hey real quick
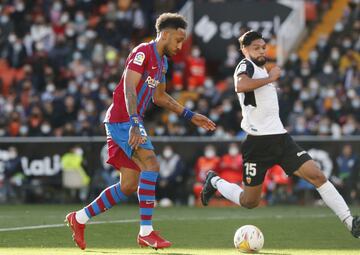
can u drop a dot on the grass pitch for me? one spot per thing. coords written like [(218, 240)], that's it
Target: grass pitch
[(288, 230)]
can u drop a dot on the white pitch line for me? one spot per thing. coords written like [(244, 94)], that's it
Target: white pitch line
[(164, 219)]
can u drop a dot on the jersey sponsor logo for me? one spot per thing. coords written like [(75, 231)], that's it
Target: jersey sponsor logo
[(139, 58), (300, 153), (152, 83), (242, 68)]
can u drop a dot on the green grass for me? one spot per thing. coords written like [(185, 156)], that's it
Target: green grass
[(287, 230)]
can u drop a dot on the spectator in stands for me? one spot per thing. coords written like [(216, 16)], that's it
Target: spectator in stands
[(231, 165), (208, 161), (347, 173), (75, 178), (171, 177)]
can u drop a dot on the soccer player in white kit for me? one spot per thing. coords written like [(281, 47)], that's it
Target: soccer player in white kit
[(267, 142)]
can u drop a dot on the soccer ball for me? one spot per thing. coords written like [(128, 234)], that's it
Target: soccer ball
[(248, 238)]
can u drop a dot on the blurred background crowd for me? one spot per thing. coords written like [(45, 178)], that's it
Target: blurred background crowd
[(60, 61)]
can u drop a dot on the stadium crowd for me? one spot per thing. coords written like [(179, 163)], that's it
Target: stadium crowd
[(60, 61)]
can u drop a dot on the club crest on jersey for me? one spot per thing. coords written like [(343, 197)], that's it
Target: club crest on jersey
[(248, 180), (152, 83), (242, 68), (139, 58)]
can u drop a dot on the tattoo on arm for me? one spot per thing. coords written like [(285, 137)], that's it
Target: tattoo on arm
[(171, 104), (130, 99)]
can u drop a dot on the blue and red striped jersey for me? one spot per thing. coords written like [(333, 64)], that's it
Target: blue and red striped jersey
[(145, 60)]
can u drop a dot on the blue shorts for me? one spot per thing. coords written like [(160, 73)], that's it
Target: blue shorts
[(119, 133)]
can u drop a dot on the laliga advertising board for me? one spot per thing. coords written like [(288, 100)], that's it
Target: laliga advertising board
[(213, 31)]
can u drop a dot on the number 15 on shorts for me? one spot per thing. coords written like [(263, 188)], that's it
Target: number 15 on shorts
[(250, 169)]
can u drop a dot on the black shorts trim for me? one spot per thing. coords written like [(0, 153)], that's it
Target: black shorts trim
[(263, 152)]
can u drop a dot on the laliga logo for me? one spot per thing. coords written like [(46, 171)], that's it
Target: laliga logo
[(41, 167), (152, 83)]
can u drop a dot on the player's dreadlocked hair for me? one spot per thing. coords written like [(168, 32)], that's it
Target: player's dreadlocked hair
[(170, 20), (247, 38)]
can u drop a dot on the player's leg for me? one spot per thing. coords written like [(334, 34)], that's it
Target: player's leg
[(332, 198), (298, 162), (108, 198), (147, 161), (248, 197)]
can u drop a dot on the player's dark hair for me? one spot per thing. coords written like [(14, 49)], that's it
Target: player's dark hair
[(247, 38), (170, 20)]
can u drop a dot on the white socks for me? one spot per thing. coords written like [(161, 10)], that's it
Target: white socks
[(81, 216), (335, 201), (145, 230), (229, 190)]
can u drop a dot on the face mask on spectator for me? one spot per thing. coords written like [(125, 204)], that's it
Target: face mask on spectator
[(79, 17), (335, 54), (209, 153), (94, 86), (2, 132), (314, 84), (227, 107), (305, 71), (103, 96), (201, 131), (195, 53), (50, 88), (70, 32), (304, 95), (214, 116), (72, 88), (208, 84), (296, 85), (23, 130), (12, 38), (159, 130), (293, 57), (89, 108), (4, 19), (346, 43), (189, 104), (167, 153), (45, 128), (57, 6), (298, 108), (355, 103), (19, 6), (331, 93), (12, 154), (323, 129), (173, 118), (327, 69), (233, 150), (78, 151)]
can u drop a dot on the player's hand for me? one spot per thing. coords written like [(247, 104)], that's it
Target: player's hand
[(275, 73), (135, 138), (201, 121)]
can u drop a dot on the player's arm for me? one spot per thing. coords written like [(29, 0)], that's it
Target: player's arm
[(132, 78), (163, 99), (245, 84)]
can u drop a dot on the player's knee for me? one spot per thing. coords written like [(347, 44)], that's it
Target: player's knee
[(129, 187), (249, 204), (152, 164), (319, 178)]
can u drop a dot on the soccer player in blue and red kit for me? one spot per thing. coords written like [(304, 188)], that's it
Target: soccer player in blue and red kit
[(129, 148)]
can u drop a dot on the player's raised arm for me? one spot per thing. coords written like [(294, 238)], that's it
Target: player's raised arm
[(132, 78), (245, 84), (163, 99)]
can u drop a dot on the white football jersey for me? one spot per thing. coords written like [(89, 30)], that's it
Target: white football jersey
[(260, 108)]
